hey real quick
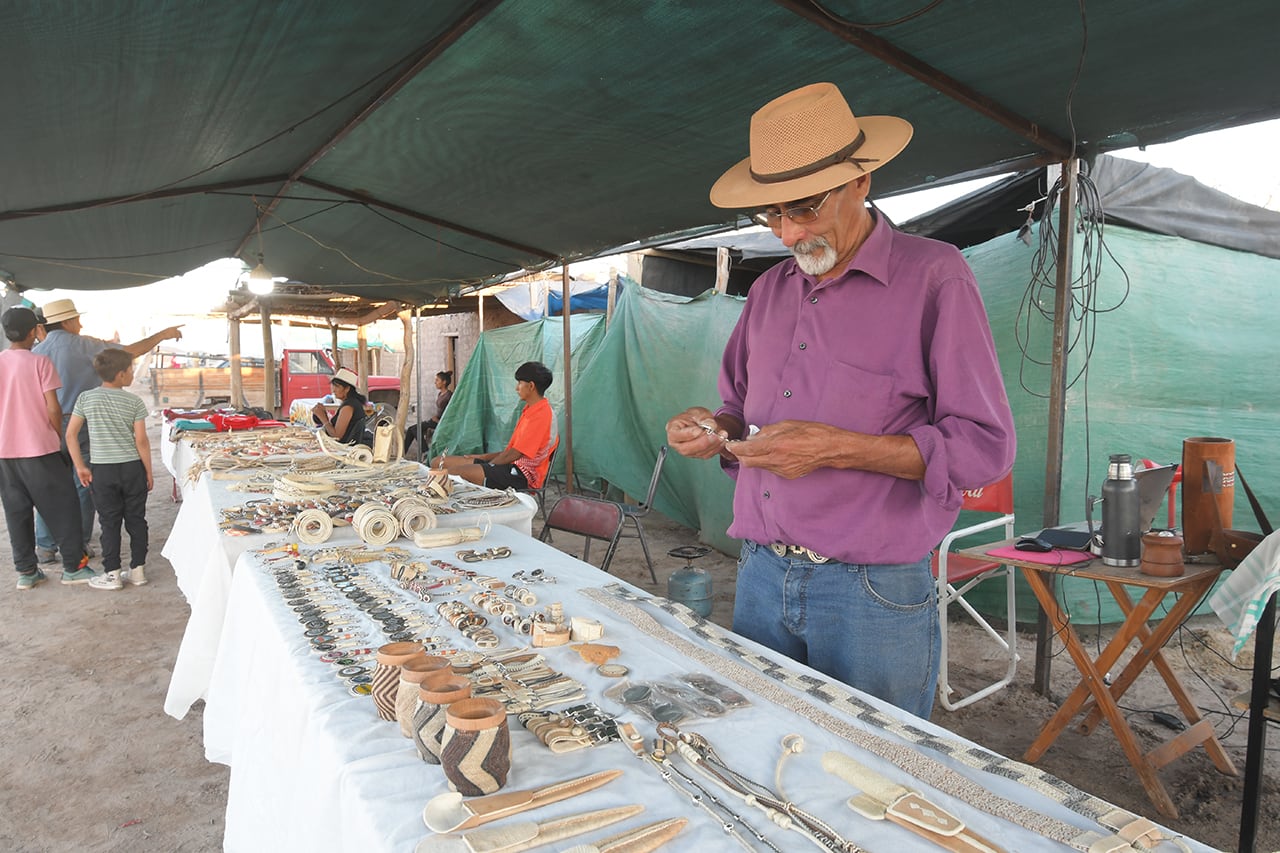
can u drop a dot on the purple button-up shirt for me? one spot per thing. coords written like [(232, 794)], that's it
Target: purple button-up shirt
[(898, 344)]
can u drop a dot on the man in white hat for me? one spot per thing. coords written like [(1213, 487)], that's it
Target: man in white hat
[(861, 395), (72, 354)]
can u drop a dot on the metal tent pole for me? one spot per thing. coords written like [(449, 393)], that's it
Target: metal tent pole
[(568, 382), (1057, 398)]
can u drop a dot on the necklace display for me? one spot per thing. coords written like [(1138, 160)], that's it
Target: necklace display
[(347, 610)]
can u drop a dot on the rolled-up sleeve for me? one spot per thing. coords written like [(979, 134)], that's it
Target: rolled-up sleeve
[(969, 441)]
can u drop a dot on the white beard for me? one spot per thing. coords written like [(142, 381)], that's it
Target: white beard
[(815, 257)]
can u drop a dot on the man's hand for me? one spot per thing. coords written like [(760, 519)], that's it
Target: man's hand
[(789, 449), (695, 433), (85, 475), (173, 333)]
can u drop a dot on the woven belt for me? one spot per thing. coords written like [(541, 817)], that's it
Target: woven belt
[(812, 556)]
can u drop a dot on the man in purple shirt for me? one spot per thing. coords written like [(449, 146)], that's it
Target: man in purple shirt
[(861, 395)]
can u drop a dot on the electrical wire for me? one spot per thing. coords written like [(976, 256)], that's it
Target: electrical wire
[(875, 25)]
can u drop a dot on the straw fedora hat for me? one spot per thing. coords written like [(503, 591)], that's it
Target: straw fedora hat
[(346, 375), (807, 142), (59, 310)]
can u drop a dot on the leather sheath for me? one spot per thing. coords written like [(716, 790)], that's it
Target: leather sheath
[(884, 799), (450, 813)]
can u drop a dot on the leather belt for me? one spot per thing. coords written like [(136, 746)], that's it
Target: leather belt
[(782, 550)]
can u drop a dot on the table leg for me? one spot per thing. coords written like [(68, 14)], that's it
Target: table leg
[(1151, 651), (1092, 683), (1078, 698)]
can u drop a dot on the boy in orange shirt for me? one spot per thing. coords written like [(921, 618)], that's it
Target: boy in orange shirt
[(523, 463)]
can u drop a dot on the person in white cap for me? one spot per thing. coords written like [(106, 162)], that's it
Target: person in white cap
[(348, 420), (72, 354), (861, 395)]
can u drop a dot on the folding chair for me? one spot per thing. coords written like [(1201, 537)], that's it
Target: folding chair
[(956, 575), (540, 493), (635, 512), (590, 518)]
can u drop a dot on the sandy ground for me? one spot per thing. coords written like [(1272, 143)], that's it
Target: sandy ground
[(93, 763)]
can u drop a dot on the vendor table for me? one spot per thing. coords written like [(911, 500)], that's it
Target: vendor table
[(1093, 697), (203, 559), (313, 768)]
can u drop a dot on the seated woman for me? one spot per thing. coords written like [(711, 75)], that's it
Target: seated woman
[(348, 421), (524, 462), (443, 395)]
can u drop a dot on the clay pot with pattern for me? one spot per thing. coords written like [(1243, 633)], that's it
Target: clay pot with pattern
[(386, 675), (434, 698), (414, 673), (475, 749), (438, 483)]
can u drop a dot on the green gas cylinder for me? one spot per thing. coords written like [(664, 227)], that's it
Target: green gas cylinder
[(690, 585)]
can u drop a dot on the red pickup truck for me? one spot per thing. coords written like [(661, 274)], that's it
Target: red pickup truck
[(195, 380)]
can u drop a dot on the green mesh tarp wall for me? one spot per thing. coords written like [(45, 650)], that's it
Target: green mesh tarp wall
[(1189, 352), (660, 356), (484, 408)]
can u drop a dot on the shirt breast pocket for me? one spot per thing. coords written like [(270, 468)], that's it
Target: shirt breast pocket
[(856, 399)]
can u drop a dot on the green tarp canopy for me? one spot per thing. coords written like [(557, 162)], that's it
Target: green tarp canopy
[(400, 150), (1175, 360)]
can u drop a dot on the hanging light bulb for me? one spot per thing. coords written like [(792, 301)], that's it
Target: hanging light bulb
[(259, 280)]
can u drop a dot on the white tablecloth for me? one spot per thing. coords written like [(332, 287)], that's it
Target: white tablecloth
[(203, 559), (313, 768)]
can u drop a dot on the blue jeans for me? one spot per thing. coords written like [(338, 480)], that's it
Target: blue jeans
[(872, 627)]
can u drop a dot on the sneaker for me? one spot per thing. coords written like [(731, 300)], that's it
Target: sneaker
[(136, 576), (81, 575), (46, 555), (26, 582), (107, 580)]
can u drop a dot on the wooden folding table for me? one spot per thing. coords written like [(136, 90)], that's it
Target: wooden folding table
[(1092, 697)]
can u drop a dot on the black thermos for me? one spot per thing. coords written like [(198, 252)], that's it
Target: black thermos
[(1121, 533)]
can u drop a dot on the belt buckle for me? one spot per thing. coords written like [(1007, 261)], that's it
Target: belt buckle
[(782, 550)]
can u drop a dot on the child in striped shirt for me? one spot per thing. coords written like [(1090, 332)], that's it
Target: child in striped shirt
[(119, 468)]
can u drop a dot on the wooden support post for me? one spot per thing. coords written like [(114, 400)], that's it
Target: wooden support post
[(568, 383), (362, 359), (406, 371), (613, 296), (269, 388), (237, 380), (1057, 399), (337, 354), (480, 310)]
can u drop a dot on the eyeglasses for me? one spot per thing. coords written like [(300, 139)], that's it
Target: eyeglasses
[(800, 215)]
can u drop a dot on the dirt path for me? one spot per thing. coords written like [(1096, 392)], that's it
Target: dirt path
[(93, 763)]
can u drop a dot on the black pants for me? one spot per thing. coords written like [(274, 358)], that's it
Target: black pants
[(41, 483), (423, 432), (120, 494)]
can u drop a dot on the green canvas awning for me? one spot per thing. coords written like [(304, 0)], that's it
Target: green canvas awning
[(405, 149)]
